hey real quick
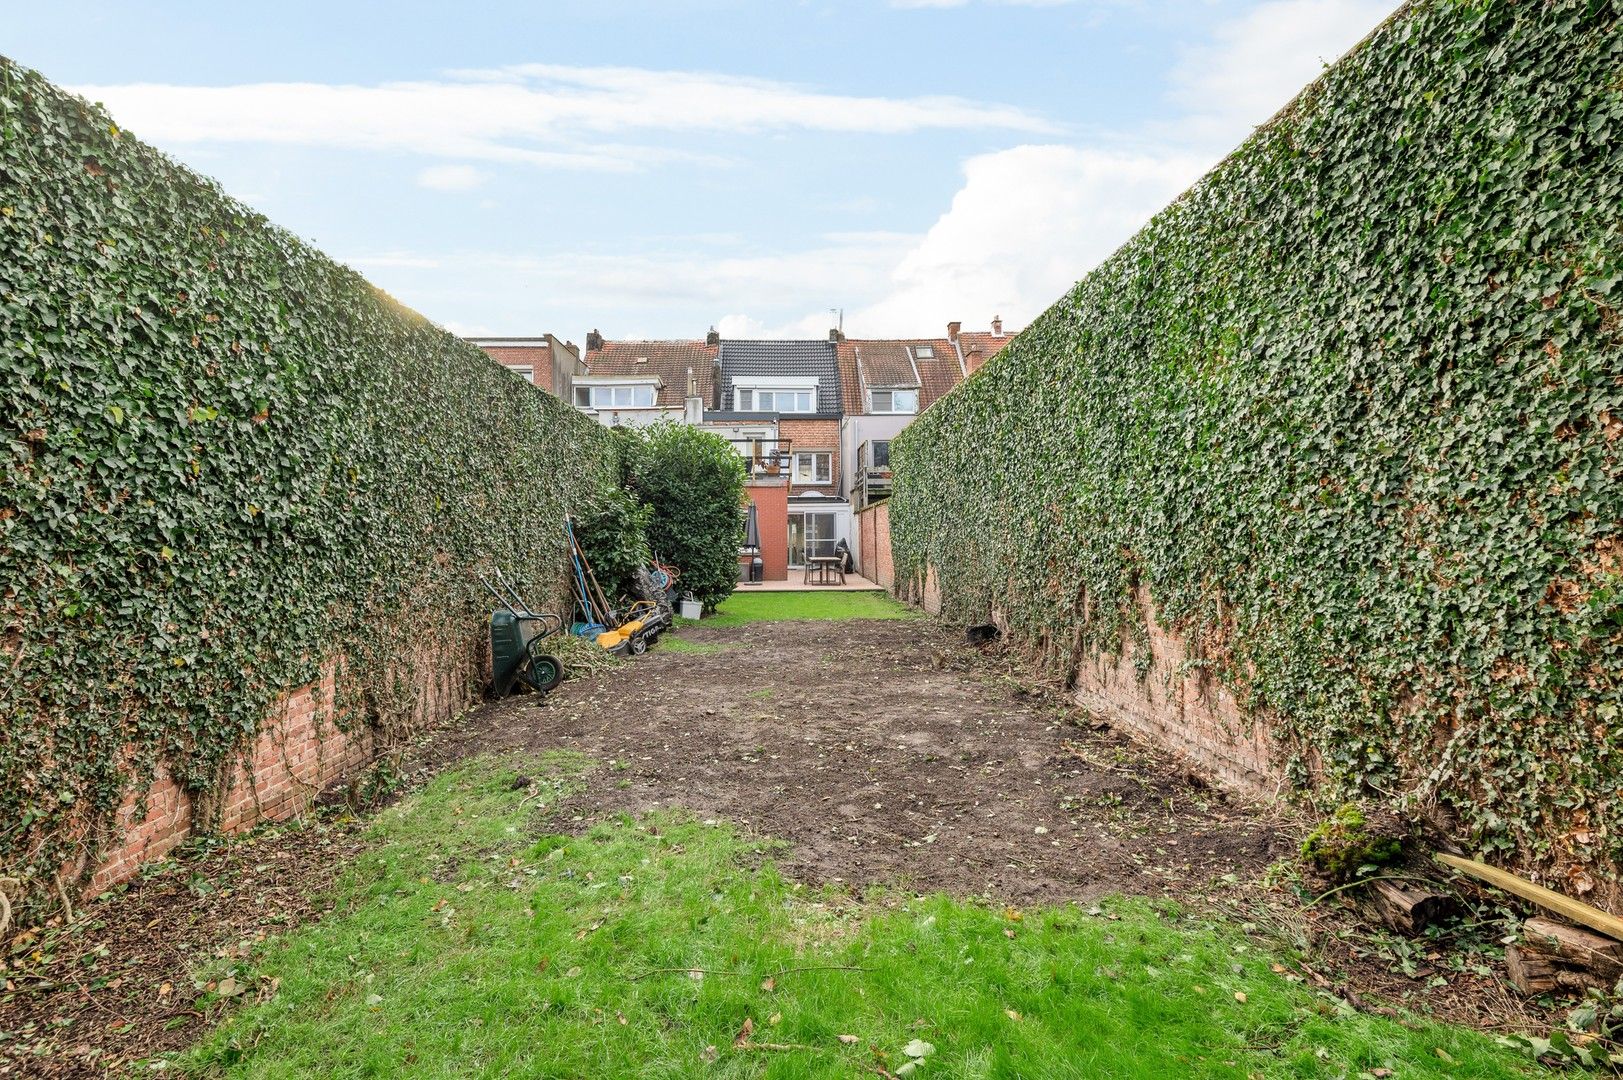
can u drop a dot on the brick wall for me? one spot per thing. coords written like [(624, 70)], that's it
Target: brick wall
[(537, 358), (772, 518), (814, 436), (1189, 714), (299, 752), (1184, 710), (873, 546)]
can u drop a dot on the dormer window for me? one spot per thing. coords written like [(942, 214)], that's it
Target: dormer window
[(785, 396), (894, 401), (780, 401), (616, 397)]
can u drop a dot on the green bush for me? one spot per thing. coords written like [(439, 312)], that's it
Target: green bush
[(1348, 413), (226, 460), (694, 481), (613, 532)]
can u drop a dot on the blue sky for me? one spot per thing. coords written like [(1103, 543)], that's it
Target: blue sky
[(655, 168)]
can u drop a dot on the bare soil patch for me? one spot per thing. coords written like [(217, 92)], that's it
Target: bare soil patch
[(887, 753)]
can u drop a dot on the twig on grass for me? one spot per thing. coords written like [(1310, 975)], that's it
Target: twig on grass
[(67, 905), (683, 971), (816, 967)]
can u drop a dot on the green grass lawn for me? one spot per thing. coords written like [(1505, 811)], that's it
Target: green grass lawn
[(748, 607), (472, 942)]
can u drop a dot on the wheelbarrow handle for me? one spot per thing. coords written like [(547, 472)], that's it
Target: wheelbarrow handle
[(543, 618), (499, 599)]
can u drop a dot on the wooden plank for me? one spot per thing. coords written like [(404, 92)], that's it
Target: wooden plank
[(1575, 910)]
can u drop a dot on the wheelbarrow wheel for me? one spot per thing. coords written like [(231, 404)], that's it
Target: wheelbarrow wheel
[(639, 644), (545, 672)]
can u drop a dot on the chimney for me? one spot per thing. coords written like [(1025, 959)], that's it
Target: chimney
[(997, 325), (952, 330), (594, 341), (836, 335), (713, 337), (974, 358)]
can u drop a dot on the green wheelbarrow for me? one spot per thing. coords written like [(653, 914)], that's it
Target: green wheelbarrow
[(518, 643)]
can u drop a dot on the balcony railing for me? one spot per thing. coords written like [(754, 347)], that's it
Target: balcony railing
[(766, 457)]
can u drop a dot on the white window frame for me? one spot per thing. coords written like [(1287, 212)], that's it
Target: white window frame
[(890, 397), (771, 399), (607, 395), (747, 395), (924, 352), (810, 475)]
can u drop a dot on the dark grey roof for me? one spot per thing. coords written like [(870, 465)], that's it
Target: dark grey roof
[(792, 359)]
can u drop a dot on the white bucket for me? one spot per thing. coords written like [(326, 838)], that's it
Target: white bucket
[(690, 609)]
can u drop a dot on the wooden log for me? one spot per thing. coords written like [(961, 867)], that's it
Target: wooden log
[(1549, 899), (1529, 973), (1532, 974), (1408, 911), (1574, 947)]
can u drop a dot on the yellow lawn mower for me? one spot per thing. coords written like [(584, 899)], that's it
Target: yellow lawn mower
[(615, 632)]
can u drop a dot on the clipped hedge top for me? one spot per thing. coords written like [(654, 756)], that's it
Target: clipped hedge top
[(227, 459), (1350, 411)]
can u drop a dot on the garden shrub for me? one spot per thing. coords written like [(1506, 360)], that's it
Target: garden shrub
[(694, 481), (613, 532), (1349, 414), (227, 460)]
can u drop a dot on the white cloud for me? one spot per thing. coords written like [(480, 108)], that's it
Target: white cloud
[(1258, 62), (450, 177), (1027, 223), (542, 114), (1030, 221)]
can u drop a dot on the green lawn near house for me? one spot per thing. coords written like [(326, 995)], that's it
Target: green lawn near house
[(750, 607), (474, 939)]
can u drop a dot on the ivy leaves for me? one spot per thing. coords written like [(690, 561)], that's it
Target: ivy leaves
[(226, 461), (1346, 412)]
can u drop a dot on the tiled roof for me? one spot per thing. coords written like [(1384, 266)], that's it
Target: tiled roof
[(668, 360), (896, 362), (989, 344), (937, 375), (886, 363), (789, 359), (850, 382)]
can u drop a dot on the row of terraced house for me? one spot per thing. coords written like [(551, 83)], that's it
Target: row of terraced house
[(813, 419)]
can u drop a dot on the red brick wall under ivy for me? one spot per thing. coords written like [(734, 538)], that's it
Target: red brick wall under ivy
[(1188, 714), (299, 752), (1182, 710)]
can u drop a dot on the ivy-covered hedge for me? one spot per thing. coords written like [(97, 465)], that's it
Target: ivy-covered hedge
[(1351, 412), (227, 460)]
